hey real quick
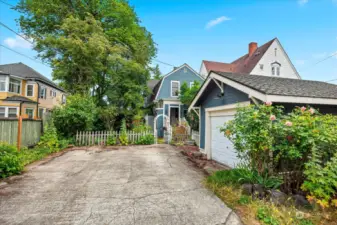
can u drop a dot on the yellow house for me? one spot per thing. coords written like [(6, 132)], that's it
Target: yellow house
[(24, 91)]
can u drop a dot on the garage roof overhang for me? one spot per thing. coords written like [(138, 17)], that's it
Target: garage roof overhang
[(252, 93)]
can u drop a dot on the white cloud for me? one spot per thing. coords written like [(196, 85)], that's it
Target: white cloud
[(217, 21), (302, 2), (300, 62), (18, 42)]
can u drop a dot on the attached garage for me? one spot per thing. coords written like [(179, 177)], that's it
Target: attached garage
[(222, 149), (218, 147), (222, 93)]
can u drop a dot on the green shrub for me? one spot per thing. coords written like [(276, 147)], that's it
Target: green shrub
[(49, 138), (264, 214), (111, 140), (146, 140), (10, 163), (123, 138), (77, 115)]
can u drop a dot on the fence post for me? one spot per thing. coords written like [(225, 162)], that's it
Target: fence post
[(19, 132)]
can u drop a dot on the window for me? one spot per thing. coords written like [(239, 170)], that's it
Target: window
[(275, 51), (30, 90), (43, 92), (191, 84), (2, 83), (64, 99), (185, 70), (30, 112), (261, 66), (2, 112), (12, 112), (14, 86), (41, 112), (52, 93), (175, 85), (276, 68)]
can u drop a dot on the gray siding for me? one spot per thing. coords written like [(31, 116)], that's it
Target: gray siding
[(211, 98), (179, 75)]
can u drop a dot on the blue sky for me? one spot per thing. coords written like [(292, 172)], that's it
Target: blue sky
[(188, 31)]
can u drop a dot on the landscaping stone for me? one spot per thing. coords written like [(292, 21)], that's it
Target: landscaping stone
[(300, 201), (210, 169), (247, 189), (197, 154), (258, 191), (278, 197)]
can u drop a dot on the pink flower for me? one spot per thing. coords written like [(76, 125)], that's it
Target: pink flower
[(288, 123), (272, 117), (311, 110), (303, 108), (268, 103)]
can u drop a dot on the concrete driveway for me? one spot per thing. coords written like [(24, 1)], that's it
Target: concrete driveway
[(134, 185)]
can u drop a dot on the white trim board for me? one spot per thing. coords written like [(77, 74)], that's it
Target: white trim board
[(173, 71)]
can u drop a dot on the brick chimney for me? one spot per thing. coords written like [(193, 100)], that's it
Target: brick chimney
[(251, 48)]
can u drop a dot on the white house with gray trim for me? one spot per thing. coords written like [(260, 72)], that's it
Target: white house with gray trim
[(222, 92)]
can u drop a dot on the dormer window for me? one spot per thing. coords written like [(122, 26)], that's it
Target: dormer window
[(261, 66), (276, 69), (275, 52), (185, 70)]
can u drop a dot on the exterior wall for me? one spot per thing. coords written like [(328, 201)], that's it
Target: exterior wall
[(211, 99), (184, 74), (46, 104), (287, 69), (203, 70)]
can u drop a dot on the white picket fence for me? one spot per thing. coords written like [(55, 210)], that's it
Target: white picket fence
[(90, 138), (196, 137)]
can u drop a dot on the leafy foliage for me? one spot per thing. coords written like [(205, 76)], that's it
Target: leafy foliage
[(49, 139), (304, 140), (146, 140), (156, 74), (123, 138), (77, 115), (108, 116), (111, 141), (10, 163), (264, 214), (92, 46)]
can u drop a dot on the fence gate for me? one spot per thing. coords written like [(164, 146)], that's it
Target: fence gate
[(166, 126)]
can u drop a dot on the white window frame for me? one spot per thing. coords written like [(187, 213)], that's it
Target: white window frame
[(29, 84), (39, 115), (6, 78), (9, 85), (191, 84), (44, 93), (175, 81), (64, 99), (29, 109), (10, 107)]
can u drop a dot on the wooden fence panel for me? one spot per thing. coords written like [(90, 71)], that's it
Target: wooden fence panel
[(90, 138), (30, 133)]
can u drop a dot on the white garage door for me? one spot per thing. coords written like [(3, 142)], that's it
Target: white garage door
[(222, 149)]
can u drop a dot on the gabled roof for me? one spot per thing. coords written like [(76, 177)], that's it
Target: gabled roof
[(152, 83), (274, 89), (158, 85), (244, 64), (284, 86), (26, 72)]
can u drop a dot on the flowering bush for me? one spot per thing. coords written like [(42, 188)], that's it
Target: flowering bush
[(267, 139)]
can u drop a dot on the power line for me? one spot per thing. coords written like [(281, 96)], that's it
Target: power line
[(163, 63), (6, 3), (19, 53), (4, 25)]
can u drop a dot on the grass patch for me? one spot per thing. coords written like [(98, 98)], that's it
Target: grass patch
[(262, 211)]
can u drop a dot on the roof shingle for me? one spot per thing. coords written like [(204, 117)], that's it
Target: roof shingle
[(284, 86)]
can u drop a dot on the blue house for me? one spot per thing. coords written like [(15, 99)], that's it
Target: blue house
[(167, 108)]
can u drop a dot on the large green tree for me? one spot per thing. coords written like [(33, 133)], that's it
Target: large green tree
[(93, 46)]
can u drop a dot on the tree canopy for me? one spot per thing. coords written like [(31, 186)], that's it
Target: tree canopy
[(93, 46)]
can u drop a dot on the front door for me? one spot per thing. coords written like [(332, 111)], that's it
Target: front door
[(174, 116)]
